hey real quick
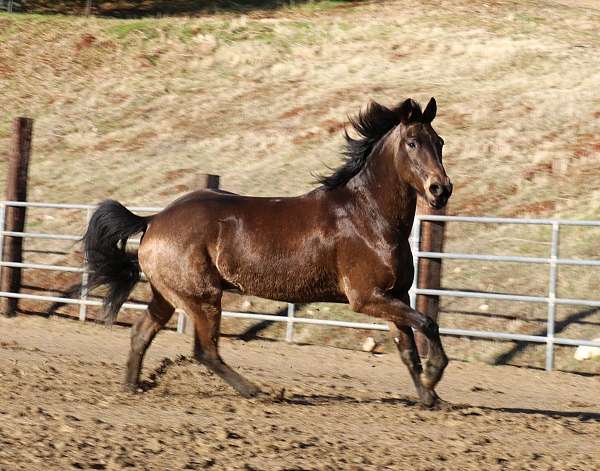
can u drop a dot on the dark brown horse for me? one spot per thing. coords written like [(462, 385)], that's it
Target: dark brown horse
[(346, 241)]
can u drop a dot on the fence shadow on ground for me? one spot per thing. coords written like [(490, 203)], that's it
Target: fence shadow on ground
[(559, 326), (252, 332), (510, 317)]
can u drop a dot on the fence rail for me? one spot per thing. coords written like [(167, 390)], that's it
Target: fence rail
[(10, 5), (553, 261)]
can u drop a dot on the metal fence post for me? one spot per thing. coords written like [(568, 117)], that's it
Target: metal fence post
[(84, 277), (181, 322), (289, 333), (415, 243), (552, 297), (2, 216)]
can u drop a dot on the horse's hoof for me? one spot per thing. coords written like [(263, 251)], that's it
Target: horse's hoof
[(132, 388), (429, 399), (250, 392), (442, 405), (433, 402)]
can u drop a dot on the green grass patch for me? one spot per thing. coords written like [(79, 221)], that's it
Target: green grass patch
[(146, 28), (323, 5)]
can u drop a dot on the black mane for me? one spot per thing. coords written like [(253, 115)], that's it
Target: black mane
[(371, 125)]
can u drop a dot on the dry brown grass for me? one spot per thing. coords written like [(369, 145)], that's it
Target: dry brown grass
[(134, 109)]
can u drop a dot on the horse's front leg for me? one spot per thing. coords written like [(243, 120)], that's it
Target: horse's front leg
[(378, 303), (404, 339)]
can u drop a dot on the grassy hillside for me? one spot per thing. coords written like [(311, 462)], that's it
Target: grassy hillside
[(261, 100), (134, 109)]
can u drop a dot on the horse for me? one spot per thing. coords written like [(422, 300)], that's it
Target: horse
[(349, 244)]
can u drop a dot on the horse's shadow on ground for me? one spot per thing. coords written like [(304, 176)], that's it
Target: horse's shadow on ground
[(321, 400), (464, 409)]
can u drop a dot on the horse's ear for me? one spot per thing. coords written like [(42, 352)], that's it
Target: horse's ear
[(409, 111), (430, 111)]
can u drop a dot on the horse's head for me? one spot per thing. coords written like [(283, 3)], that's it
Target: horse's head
[(418, 153)]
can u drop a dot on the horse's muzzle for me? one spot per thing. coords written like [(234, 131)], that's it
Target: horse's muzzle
[(438, 194)]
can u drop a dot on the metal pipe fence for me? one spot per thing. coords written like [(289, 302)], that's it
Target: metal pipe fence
[(9, 6), (553, 261)]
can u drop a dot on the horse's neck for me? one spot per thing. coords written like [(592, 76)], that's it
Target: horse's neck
[(380, 186)]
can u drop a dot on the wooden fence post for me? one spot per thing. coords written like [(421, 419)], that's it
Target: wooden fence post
[(16, 190), (430, 269), (208, 182)]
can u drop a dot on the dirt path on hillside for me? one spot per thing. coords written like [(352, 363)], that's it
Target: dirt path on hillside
[(61, 408)]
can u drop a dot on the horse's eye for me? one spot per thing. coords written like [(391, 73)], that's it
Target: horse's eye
[(412, 144)]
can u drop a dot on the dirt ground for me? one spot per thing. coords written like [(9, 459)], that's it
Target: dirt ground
[(61, 407)]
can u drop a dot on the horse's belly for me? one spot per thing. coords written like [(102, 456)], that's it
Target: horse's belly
[(285, 279)]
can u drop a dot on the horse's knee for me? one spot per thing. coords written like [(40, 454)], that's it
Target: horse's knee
[(430, 328)]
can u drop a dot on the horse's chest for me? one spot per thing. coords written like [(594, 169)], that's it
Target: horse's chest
[(404, 275), (399, 262)]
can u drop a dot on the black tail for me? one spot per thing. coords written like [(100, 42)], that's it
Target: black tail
[(107, 258)]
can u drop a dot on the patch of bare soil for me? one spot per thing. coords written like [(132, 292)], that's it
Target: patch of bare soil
[(61, 407)]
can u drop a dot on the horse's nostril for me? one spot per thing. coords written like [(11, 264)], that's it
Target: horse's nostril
[(436, 189)]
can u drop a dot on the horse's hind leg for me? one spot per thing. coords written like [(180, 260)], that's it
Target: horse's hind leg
[(142, 333), (206, 313)]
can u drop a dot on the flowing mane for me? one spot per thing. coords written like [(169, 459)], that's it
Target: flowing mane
[(371, 125)]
